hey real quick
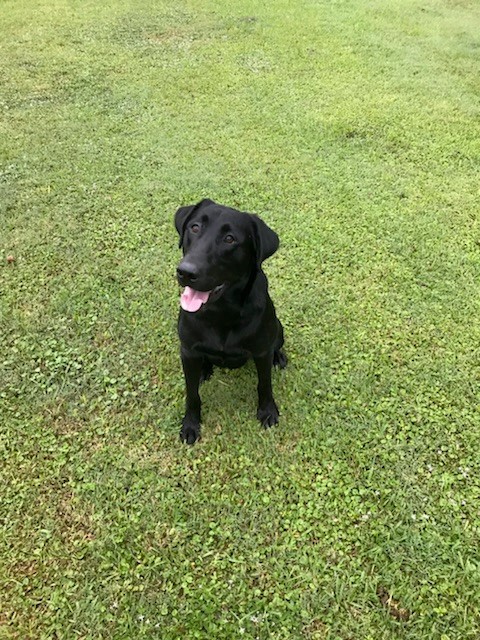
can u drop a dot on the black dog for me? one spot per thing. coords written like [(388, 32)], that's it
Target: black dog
[(226, 314)]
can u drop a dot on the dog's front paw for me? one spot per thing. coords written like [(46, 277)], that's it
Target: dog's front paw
[(190, 431), (268, 415)]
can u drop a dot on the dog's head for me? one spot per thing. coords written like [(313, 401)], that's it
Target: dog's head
[(221, 246)]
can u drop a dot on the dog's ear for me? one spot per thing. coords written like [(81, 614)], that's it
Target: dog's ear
[(265, 240), (184, 214)]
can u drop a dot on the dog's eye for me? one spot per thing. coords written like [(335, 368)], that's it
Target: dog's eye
[(195, 228), (229, 239)]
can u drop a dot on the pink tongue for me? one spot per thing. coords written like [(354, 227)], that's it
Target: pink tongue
[(192, 300)]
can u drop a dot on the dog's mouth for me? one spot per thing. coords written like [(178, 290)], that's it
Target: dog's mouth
[(191, 300)]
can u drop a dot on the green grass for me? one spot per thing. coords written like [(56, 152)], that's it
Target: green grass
[(353, 129)]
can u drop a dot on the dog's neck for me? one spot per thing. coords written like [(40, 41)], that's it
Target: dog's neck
[(249, 284)]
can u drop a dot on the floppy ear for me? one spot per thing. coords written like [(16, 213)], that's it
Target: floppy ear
[(265, 240), (184, 214)]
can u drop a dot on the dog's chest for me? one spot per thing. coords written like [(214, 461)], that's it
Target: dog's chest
[(223, 347)]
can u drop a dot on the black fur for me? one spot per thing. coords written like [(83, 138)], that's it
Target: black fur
[(223, 252)]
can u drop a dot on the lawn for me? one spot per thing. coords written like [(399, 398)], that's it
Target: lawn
[(352, 127)]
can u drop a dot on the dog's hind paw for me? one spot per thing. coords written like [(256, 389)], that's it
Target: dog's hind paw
[(279, 359), (207, 371)]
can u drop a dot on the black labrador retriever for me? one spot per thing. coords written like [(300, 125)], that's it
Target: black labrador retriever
[(226, 315)]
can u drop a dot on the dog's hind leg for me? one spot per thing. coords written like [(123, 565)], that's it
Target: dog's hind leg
[(207, 370), (279, 357)]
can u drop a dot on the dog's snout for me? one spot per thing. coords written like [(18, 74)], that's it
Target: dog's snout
[(187, 273)]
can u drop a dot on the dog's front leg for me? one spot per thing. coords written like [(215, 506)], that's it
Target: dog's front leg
[(267, 409), (192, 368)]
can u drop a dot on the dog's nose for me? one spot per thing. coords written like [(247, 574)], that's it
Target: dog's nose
[(187, 272)]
